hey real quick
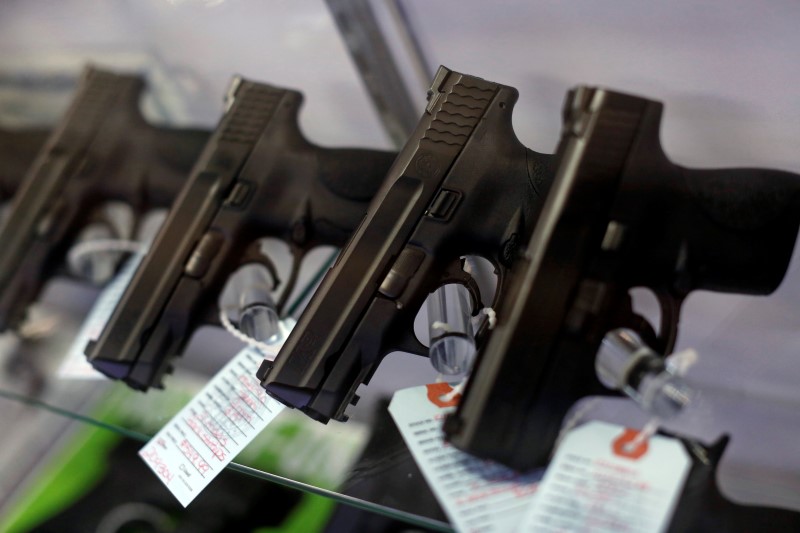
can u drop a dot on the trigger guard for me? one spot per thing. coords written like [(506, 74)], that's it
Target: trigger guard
[(455, 274), (626, 317), (670, 304), (410, 343)]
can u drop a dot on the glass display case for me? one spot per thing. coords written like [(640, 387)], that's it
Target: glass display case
[(726, 75)]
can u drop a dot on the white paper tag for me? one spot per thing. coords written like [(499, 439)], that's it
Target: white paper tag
[(595, 483), (75, 365), (206, 435), (477, 495)]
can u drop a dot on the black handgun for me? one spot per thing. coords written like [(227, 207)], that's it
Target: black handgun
[(18, 149), (463, 186), (257, 177), (102, 151), (619, 215)]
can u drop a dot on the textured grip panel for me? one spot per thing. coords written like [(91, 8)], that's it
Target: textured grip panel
[(253, 107), (462, 106), (743, 199)]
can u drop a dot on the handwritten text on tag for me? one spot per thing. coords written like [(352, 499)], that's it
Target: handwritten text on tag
[(205, 436)]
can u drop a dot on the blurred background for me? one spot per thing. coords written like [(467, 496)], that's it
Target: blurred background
[(725, 70)]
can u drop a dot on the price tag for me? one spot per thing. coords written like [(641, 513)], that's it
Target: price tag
[(599, 482), (206, 435), (75, 365), (477, 495)]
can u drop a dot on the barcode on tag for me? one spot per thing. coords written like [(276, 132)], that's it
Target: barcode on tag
[(206, 435), (477, 495), (594, 483), (75, 365)]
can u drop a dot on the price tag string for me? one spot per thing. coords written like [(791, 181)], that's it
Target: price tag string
[(77, 252), (239, 334)]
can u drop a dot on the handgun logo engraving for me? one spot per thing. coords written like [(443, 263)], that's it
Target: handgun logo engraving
[(305, 348), (426, 165)]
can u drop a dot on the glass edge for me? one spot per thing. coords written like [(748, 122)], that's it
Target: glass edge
[(404, 516)]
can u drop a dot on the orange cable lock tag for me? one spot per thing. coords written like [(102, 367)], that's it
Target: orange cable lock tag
[(625, 445), (438, 392)]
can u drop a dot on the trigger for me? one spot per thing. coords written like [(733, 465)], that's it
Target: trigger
[(255, 255), (475, 292)]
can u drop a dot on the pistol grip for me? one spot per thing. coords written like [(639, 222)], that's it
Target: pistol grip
[(746, 228)]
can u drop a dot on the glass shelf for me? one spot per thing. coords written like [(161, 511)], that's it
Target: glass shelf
[(294, 451), (109, 412), (365, 464)]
